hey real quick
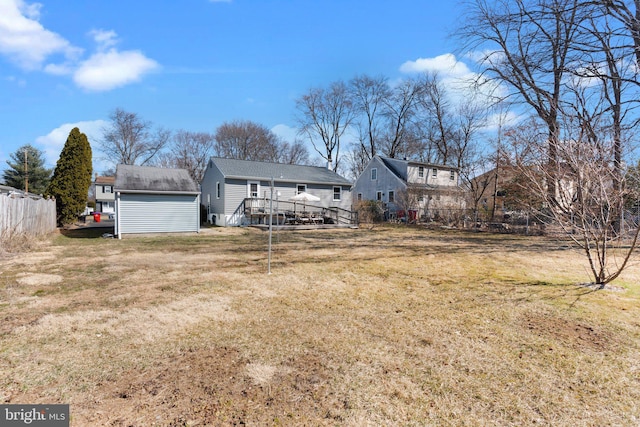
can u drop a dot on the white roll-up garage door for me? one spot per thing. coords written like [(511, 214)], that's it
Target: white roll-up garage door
[(158, 213)]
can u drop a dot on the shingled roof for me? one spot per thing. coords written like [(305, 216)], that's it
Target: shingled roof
[(141, 179), (281, 172)]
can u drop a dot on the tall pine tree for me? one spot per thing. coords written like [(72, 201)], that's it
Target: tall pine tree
[(27, 162), (72, 177)]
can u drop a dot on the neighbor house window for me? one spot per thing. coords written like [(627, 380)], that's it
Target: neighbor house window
[(452, 176), (392, 197), (374, 174), (379, 196), (434, 172), (421, 171), (301, 188), (107, 189), (359, 197), (337, 193), (218, 190)]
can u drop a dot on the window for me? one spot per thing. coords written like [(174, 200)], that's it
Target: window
[(452, 175), (392, 197), (218, 190), (301, 188), (359, 197), (434, 172), (421, 171), (254, 190), (107, 189), (337, 193), (379, 196), (374, 174), (421, 198)]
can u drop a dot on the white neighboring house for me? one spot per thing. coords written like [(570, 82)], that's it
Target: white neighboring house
[(400, 185), (229, 183), (105, 196), (155, 200)]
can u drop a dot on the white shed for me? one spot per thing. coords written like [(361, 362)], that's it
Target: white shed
[(155, 200)]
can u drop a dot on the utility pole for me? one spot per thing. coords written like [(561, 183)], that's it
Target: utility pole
[(26, 172)]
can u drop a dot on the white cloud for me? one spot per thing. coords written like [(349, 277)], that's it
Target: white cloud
[(24, 40), (285, 132), (446, 64), (28, 44), (104, 39), (112, 69), (53, 142)]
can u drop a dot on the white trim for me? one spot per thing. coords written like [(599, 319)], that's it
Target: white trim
[(339, 193), (249, 183)]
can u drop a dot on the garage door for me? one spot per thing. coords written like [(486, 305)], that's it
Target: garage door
[(153, 213)]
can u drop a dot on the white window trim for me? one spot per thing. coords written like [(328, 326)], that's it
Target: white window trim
[(339, 193), (374, 171), (391, 196), (434, 172), (301, 185), (219, 189), (420, 171), (249, 189)]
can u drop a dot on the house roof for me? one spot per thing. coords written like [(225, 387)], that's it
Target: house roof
[(399, 167), (281, 172), (145, 179), (105, 180)]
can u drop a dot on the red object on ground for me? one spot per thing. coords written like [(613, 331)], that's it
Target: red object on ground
[(96, 217)]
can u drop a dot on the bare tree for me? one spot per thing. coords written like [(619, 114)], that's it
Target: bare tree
[(369, 95), (400, 139), (246, 140), (585, 204), (324, 117), (130, 140), (190, 151), (528, 49), (293, 154)]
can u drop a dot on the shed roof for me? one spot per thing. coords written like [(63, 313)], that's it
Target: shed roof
[(130, 178), (246, 169)]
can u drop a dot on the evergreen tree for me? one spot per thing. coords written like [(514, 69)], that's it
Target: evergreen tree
[(38, 176), (72, 177)]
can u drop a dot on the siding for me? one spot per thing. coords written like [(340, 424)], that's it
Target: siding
[(386, 181), (157, 213)]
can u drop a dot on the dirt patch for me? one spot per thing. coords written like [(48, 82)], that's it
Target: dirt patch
[(217, 386), (574, 334)]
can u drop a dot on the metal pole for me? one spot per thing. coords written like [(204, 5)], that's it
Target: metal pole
[(26, 172), (270, 224)]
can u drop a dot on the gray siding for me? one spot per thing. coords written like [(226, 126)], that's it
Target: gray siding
[(211, 177), (157, 213), (386, 181)]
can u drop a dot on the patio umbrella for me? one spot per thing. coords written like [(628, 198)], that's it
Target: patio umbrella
[(305, 197)]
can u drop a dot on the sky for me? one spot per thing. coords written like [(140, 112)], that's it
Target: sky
[(195, 64)]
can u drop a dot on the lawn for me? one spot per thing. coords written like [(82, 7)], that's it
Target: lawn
[(389, 326)]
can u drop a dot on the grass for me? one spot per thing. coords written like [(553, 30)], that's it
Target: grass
[(391, 326)]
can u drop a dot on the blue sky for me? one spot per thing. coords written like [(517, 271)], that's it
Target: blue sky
[(195, 64)]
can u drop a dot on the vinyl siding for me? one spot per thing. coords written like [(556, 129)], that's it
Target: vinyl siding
[(158, 213)]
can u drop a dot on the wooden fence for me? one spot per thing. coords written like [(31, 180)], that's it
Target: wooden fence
[(31, 215)]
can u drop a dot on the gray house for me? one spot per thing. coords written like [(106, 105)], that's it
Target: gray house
[(155, 200), (409, 187), (230, 188)]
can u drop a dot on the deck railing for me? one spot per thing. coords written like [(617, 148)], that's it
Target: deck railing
[(258, 211)]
